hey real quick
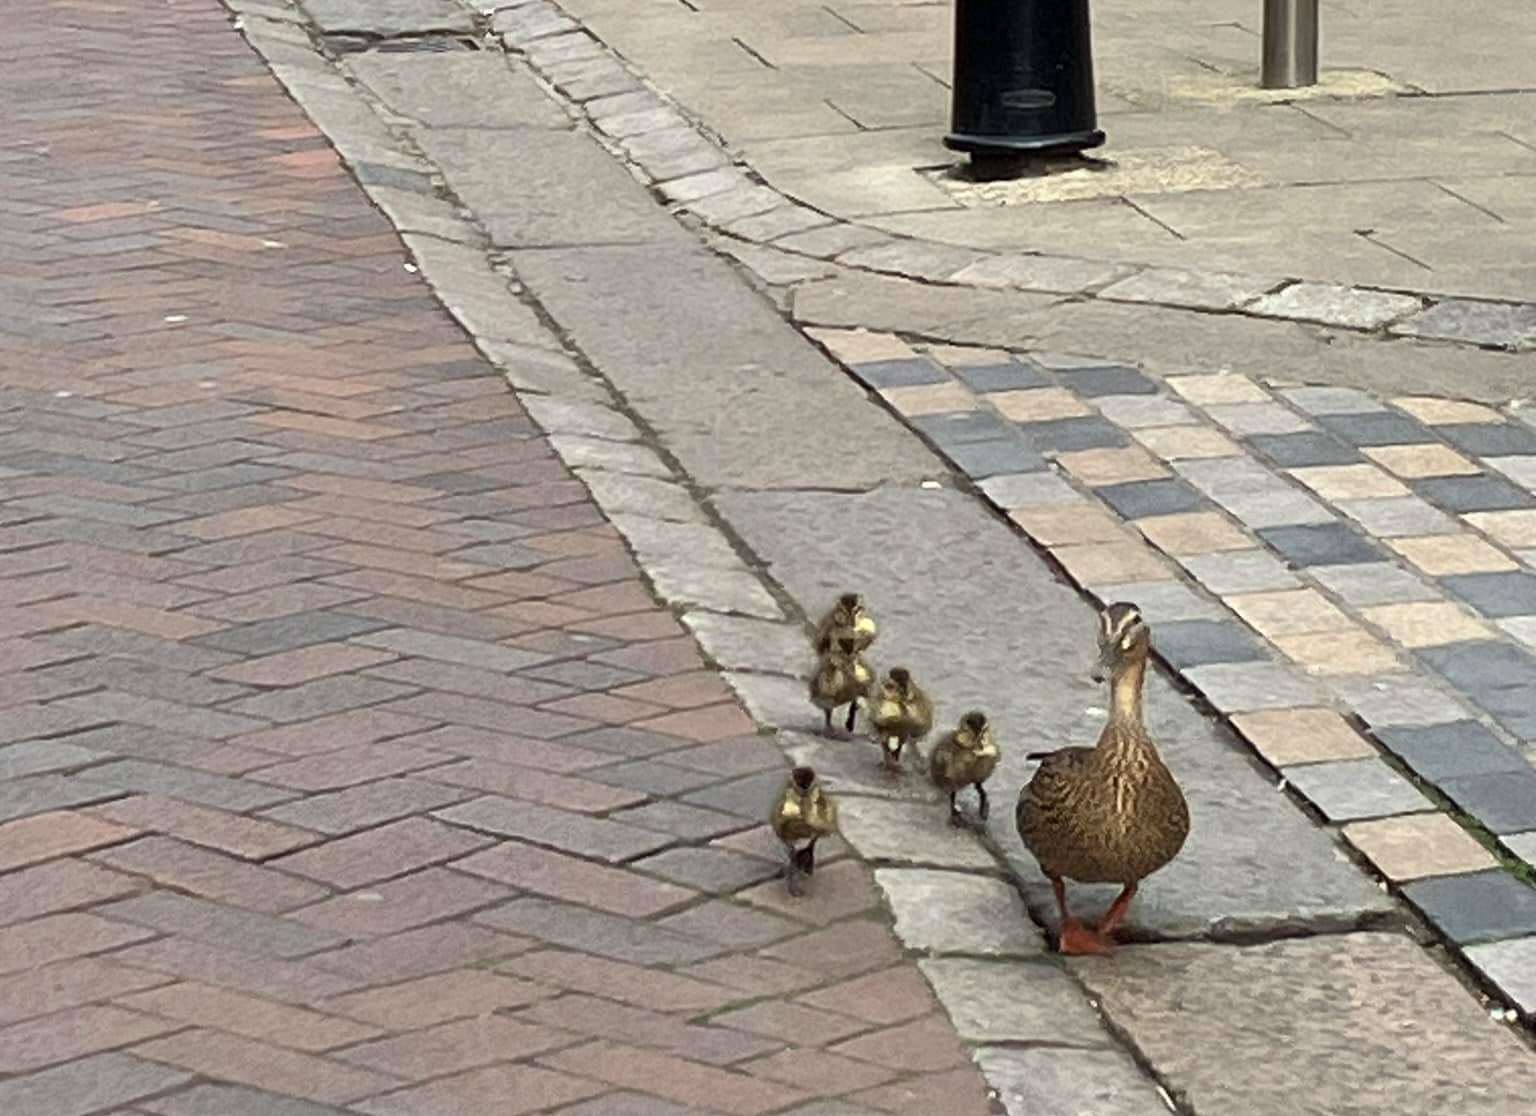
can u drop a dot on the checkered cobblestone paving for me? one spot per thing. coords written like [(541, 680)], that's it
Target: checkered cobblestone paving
[(347, 763), (1314, 561)]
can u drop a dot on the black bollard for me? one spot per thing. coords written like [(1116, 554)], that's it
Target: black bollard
[(1023, 80)]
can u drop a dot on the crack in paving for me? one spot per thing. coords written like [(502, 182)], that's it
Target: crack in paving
[(1159, 222), (1369, 236), (1467, 201)]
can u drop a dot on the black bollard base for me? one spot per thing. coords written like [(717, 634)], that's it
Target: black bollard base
[(992, 163), (1005, 147), (993, 159)]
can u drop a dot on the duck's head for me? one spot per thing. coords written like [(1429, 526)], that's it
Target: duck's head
[(1123, 638), (804, 778), (901, 678)]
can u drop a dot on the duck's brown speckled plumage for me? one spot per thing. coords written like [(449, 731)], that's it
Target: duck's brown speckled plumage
[(1112, 813), (1108, 814)]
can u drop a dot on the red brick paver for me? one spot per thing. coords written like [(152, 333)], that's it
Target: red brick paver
[(306, 791)]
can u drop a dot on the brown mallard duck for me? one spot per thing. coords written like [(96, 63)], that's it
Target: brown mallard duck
[(963, 758), (900, 713), (1111, 813), (804, 812), (850, 615), (841, 677)]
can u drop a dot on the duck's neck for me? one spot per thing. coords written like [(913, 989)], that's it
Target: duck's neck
[(1125, 693)]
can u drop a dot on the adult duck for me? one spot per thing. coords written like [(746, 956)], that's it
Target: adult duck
[(1112, 813)]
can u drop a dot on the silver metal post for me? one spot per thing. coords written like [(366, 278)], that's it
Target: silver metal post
[(1290, 44)]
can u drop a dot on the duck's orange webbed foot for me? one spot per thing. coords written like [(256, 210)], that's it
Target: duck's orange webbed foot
[(1077, 940)]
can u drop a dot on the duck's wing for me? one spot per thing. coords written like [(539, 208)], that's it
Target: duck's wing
[(1070, 756), (1053, 782), (1048, 812), (941, 759)]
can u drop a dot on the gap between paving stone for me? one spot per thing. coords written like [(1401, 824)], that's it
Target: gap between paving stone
[(580, 431)]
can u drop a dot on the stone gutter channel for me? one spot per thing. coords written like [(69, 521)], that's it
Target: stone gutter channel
[(1192, 559)]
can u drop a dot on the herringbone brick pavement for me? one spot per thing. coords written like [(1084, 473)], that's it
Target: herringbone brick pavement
[(346, 763)]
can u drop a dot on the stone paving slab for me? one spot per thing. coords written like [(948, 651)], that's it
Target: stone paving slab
[(1224, 1059)]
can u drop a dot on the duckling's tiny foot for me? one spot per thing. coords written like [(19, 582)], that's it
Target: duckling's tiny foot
[(805, 859), (794, 880), (1076, 940)]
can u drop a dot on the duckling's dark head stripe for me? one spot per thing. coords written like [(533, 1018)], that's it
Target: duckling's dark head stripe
[(1118, 620)]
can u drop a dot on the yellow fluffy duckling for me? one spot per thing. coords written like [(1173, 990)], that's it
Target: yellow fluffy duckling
[(850, 615), (804, 812), (901, 714), (965, 757), (842, 677)]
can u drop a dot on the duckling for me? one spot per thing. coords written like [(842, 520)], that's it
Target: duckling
[(1112, 813), (901, 713), (965, 757), (804, 812), (848, 614), (841, 677)]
